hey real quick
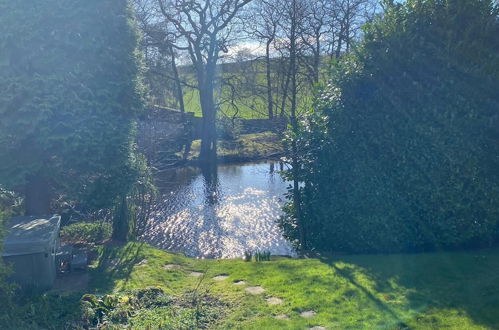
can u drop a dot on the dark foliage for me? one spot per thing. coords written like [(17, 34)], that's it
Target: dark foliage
[(402, 152), (69, 93)]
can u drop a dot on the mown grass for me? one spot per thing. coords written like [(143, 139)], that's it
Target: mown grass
[(422, 291), (247, 147), (458, 290)]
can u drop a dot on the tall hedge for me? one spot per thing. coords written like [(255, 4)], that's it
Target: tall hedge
[(402, 151), (69, 92)]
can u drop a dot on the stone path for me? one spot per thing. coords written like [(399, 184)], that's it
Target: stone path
[(255, 290), (317, 327), (274, 301), (221, 277), (172, 267), (308, 314), (282, 317), (196, 274)]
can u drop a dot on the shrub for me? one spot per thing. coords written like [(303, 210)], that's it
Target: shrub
[(70, 92), (401, 153), (262, 256), (229, 128), (87, 233), (7, 206)]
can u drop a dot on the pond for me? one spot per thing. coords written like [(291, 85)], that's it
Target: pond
[(219, 215)]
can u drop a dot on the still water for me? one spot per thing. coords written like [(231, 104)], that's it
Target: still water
[(219, 214)]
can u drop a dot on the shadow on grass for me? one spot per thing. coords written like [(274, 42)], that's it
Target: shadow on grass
[(115, 263), (433, 285)]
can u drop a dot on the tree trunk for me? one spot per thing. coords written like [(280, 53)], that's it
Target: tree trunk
[(270, 101), (178, 84), (294, 125), (317, 59), (285, 94), (37, 196), (208, 153), (121, 220)]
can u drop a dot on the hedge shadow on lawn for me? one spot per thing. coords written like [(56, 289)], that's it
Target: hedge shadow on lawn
[(467, 282)]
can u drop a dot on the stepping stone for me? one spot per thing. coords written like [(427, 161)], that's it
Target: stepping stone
[(274, 301), (142, 263), (113, 262), (317, 327), (308, 314), (221, 277), (172, 267), (282, 317), (255, 289), (196, 274), (240, 283)]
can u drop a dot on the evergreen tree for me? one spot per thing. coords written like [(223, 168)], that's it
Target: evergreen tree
[(402, 153), (69, 94)]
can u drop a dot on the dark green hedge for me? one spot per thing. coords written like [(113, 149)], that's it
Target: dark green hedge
[(402, 153), (69, 93)]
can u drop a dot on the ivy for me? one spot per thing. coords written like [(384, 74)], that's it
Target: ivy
[(70, 91)]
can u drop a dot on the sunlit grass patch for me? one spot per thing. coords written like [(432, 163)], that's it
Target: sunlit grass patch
[(420, 291), (457, 290)]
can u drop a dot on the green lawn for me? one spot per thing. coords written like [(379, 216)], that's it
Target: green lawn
[(421, 291)]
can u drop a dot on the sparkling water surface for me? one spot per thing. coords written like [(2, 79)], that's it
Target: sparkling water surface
[(219, 214)]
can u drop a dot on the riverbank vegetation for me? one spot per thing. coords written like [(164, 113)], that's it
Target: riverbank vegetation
[(402, 291), (245, 148)]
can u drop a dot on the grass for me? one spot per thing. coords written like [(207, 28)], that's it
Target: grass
[(248, 147), (457, 290), (247, 105)]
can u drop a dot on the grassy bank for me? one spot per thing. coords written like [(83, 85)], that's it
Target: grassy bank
[(421, 291), (246, 148)]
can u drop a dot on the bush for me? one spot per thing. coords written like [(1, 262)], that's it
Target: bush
[(7, 204), (229, 128), (87, 233), (401, 153), (70, 92)]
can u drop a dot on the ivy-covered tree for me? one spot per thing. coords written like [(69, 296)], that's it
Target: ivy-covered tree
[(69, 92), (402, 152)]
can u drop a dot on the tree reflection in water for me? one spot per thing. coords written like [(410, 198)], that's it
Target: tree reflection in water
[(219, 212)]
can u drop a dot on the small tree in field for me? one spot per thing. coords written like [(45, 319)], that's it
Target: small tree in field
[(69, 93)]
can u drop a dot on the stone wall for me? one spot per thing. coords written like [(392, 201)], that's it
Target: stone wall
[(161, 132)]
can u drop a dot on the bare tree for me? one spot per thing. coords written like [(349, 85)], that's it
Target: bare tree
[(313, 36), (203, 28), (265, 28), (291, 23), (348, 17), (163, 78)]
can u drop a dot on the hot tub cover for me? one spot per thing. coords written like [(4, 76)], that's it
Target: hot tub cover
[(29, 235)]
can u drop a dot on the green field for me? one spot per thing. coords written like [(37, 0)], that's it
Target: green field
[(413, 291), (247, 105)]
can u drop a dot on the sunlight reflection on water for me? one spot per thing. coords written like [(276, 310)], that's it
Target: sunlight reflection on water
[(220, 216)]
